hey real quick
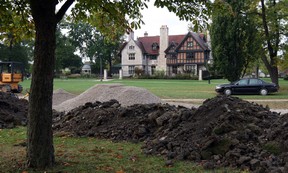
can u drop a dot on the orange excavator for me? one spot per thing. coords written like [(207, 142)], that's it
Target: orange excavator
[(11, 73)]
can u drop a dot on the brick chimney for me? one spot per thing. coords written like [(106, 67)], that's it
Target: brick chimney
[(145, 34), (164, 41), (131, 35)]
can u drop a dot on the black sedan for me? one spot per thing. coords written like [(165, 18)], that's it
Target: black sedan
[(247, 86)]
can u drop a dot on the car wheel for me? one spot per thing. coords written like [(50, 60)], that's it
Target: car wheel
[(227, 92), (263, 92)]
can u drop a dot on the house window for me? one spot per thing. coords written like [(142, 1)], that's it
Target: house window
[(190, 44), (131, 47), (131, 69), (153, 69), (174, 56), (155, 46), (174, 69), (190, 55), (131, 56), (190, 68), (153, 57)]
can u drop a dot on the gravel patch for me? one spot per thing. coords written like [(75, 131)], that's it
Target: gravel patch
[(60, 95), (126, 95)]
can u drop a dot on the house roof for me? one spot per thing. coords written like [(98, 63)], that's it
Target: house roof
[(145, 43)]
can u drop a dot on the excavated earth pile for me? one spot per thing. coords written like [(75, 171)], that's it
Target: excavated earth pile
[(126, 95), (224, 131), (13, 111), (60, 95)]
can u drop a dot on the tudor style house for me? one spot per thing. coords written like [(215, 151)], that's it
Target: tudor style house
[(174, 54)]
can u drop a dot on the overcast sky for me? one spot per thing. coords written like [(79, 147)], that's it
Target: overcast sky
[(154, 18)]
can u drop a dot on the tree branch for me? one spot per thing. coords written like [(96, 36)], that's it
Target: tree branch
[(63, 10)]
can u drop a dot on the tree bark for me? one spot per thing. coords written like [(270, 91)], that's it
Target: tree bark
[(272, 69), (40, 150), (272, 50)]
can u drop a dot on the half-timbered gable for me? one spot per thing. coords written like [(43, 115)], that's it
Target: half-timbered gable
[(189, 56)]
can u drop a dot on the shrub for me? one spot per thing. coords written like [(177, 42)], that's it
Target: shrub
[(138, 71), (72, 76), (159, 74)]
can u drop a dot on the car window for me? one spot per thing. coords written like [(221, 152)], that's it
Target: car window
[(254, 82), (243, 82)]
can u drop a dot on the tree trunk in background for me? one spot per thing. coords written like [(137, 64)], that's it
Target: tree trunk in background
[(272, 69), (270, 61), (40, 151), (257, 71)]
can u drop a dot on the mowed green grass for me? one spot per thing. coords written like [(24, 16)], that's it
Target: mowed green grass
[(165, 89), (89, 155)]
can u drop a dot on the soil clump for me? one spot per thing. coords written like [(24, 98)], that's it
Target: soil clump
[(13, 111), (224, 131)]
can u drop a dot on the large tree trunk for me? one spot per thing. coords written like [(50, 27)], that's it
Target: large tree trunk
[(274, 75), (270, 64), (272, 69), (40, 151)]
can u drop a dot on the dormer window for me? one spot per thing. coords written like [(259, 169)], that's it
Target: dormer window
[(190, 55), (190, 44), (131, 47), (155, 46)]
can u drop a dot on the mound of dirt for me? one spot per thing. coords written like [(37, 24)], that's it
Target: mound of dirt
[(224, 131), (13, 111), (126, 95), (60, 95)]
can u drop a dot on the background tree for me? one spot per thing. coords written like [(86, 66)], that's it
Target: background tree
[(273, 24), (65, 54), (124, 14), (233, 38), (20, 52), (284, 58), (93, 45)]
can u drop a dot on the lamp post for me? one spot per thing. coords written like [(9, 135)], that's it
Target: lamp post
[(100, 58), (208, 63)]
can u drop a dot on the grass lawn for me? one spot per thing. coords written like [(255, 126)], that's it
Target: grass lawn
[(76, 155), (165, 89)]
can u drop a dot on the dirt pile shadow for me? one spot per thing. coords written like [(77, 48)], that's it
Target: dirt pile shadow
[(224, 131), (13, 111)]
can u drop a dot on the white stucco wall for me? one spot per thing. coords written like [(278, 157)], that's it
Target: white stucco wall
[(138, 62)]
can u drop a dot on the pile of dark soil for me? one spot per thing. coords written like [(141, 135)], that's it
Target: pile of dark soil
[(13, 111), (224, 131)]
